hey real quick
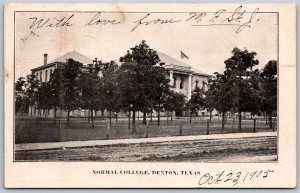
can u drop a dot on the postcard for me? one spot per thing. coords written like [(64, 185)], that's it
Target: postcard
[(150, 95)]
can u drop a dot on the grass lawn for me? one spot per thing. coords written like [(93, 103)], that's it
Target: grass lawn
[(32, 130)]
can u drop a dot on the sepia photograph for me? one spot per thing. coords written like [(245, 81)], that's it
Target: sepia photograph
[(147, 86)]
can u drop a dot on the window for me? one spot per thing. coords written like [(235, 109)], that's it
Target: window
[(174, 82), (46, 76), (181, 83), (203, 85), (50, 72), (197, 83), (41, 73), (37, 76)]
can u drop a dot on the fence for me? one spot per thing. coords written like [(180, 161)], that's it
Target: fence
[(31, 130)]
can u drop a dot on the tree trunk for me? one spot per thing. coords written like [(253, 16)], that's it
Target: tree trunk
[(30, 111), (116, 117), (240, 121), (144, 118), (151, 115), (92, 119), (133, 122), (102, 114), (68, 119), (190, 116), (167, 117), (54, 115), (110, 118), (171, 116), (270, 121), (89, 116), (129, 115), (210, 112), (40, 111), (138, 115), (158, 115), (223, 120)]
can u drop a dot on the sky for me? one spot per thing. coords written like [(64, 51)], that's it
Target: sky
[(207, 46)]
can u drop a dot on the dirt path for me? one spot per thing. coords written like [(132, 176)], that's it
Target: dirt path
[(252, 149)]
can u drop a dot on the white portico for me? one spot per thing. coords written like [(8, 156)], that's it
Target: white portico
[(183, 77)]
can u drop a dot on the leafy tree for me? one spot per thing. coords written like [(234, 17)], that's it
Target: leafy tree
[(71, 74), (32, 85), (43, 95), (174, 102), (196, 102), (222, 92), (139, 77), (89, 92), (20, 95), (109, 91), (160, 89), (238, 69), (269, 89), (57, 92), (210, 98)]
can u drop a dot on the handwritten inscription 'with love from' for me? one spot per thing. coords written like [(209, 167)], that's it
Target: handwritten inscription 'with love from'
[(239, 18)]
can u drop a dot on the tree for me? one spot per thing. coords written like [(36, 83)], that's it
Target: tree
[(174, 102), (43, 95), (222, 90), (269, 89), (20, 95), (109, 91), (140, 76), (160, 90), (196, 102), (71, 74), (57, 92), (32, 85), (89, 92), (238, 69), (210, 98)]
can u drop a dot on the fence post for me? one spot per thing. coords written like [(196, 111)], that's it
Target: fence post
[(147, 128), (108, 130), (207, 128), (180, 129), (254, 126)]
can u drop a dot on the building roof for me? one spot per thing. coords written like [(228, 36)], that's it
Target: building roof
[(173, 63), (46, 66), (75, 56), (170, 62)]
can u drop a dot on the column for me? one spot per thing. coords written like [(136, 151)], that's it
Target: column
[(171, 78), (190, 87)]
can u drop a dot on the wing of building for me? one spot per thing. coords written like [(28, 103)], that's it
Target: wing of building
[(183, 77), (43, 72)]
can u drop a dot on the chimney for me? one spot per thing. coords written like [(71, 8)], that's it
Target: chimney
[(45, 58)]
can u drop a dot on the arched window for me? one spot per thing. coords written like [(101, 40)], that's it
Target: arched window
[(197, 83)]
